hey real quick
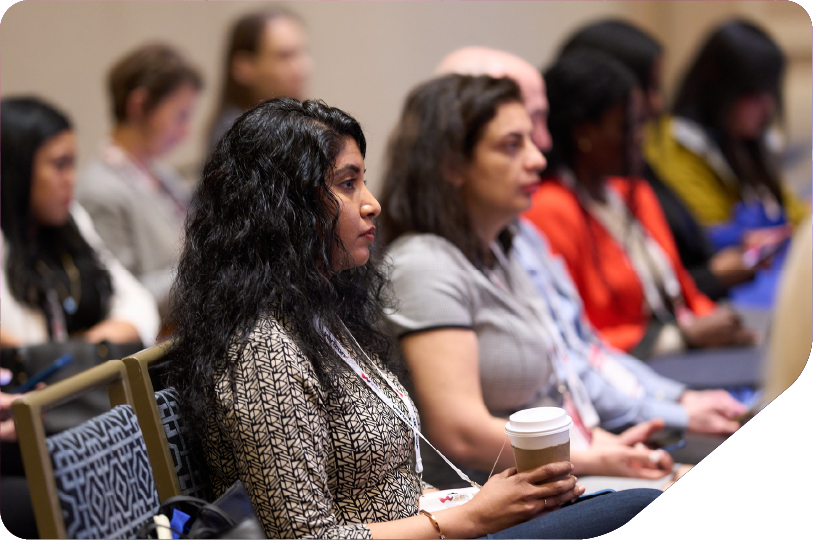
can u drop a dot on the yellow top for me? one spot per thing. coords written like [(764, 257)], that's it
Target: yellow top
[(700, 176)]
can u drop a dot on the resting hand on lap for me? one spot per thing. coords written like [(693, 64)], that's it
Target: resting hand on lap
[(720, 328)]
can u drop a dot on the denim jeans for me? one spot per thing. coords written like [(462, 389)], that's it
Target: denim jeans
[(586, 518)]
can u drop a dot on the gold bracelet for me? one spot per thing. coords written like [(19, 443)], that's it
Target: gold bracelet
[(434, 523)]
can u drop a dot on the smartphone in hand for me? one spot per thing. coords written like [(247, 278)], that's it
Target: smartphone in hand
[(667, 439), (41, 376)]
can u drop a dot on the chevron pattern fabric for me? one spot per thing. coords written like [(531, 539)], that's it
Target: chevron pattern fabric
[(103, 476), (192, 474), (317, 462)]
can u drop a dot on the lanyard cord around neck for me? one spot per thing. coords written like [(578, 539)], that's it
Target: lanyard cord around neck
[(554, 287), (657, 260), (671, 286), (568, 383), (411, 422)]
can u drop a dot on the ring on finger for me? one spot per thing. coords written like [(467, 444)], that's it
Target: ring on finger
[(546, 503)]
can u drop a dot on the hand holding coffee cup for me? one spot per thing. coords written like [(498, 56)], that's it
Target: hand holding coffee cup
[(509, 497), (539, 436)]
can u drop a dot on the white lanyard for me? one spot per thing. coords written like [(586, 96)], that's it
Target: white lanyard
[(554, 286), (653, 250), (412, 422), (552, 294), (612, 371), (569, 384)]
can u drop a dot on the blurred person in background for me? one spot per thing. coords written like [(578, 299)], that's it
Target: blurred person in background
[(608, 225), (138, 204), (717, 150), (637, 390), (58, 281), (713, 272), (58, 278), (267, 57), (460, 167), (495, 63)]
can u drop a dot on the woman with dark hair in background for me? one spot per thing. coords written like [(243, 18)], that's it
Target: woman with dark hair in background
[(138, 204), (57, 279), (267, 57), (608, 225), (713, 272), (475, 333), (275, 286), (636, 49), (716, 151)]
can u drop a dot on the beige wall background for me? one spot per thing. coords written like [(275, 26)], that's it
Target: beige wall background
[(367, 55)]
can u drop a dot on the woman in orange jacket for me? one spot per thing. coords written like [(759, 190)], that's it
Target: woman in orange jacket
[(608, 224)]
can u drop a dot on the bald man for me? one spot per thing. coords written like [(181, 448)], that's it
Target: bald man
[(624, 390), (494, 63)]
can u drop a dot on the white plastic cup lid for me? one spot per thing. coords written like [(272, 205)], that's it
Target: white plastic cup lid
[(538, 421)]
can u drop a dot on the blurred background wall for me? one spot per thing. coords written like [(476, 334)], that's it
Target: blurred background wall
[(367, 55)]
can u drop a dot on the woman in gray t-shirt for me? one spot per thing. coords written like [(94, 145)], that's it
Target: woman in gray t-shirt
[(461, 168)]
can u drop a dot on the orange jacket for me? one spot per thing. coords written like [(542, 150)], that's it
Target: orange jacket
[(599, 265)]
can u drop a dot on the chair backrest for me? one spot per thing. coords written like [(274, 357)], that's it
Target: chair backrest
[(193, 476), (103, 476), (92, 481), (149, 418), (175, 463)]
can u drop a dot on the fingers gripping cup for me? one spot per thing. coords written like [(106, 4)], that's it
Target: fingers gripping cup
[(539, 436)]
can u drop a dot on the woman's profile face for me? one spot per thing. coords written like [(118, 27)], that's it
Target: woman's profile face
[(357, 209), (503, 174), (53, 175), (168, 123), (613, 144), (281, 65)]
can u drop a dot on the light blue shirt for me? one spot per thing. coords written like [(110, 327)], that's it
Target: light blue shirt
[(616, 406)]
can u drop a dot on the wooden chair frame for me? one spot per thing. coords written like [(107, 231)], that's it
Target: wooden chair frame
[(28, 412), (146, 409)]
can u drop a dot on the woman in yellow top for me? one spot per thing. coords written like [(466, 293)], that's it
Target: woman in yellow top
[(715, 150)]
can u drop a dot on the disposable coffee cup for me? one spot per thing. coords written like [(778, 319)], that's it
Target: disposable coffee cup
[(539, 436)]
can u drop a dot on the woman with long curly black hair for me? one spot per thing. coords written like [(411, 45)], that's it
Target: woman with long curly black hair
[(276, 284)]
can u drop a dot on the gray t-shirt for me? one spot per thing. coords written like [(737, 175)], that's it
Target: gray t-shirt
[(437, 287)]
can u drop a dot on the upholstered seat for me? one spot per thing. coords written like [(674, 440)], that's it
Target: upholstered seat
[(193, 478), (94, 480), (103, 476)]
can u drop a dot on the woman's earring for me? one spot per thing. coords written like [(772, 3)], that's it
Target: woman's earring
[(585, 145)]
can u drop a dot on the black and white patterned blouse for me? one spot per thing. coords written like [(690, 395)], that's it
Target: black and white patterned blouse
[(316, 462)]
